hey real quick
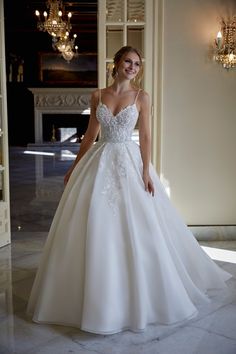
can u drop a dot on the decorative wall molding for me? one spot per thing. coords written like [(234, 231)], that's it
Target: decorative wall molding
[(58, 101)]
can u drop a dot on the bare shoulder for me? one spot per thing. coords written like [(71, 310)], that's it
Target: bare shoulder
[(143, 101), (95, 94), (106, 90), (95, 97), (143, 96)]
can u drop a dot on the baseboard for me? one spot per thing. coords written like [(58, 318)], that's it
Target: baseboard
[(214, 233)]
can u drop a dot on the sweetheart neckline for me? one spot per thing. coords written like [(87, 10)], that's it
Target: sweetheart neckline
[(122, 109)]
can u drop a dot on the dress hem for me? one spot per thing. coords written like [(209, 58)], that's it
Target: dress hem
[(115, 331)]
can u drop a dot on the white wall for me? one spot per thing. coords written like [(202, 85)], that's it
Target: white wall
[(198, 121)]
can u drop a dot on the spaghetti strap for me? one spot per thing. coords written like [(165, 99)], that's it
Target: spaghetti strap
[(137, 96), (100, 96)]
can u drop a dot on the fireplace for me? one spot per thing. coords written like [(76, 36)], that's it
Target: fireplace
[(64, 126), (58, 105)]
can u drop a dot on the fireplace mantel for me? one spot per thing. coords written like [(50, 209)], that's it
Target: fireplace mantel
[(57, 101)]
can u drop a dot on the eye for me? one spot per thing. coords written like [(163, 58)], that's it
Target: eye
[(129, 61)]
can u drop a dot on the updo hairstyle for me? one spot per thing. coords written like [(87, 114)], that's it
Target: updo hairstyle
[(118, 58)]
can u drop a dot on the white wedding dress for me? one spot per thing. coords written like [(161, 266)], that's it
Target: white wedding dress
[(117, 258)]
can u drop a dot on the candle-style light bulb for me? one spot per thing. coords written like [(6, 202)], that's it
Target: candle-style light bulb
[(231, 57), (37, 13), (219, 39), (45, 14)]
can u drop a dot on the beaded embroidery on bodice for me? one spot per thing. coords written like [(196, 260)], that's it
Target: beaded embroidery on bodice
[(117, 128)]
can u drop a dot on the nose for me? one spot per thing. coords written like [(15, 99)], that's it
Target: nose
[(131, 65)]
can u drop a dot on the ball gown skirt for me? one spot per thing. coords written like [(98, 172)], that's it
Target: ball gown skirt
[(117, 258)]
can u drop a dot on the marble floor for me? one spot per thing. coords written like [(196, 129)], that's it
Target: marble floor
[(36, 186)]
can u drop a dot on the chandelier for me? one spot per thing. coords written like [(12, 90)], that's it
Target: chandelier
[(225, 44), (58, 28), (65, 46)]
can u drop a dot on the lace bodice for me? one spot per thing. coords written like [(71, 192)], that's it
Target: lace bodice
[(117, 128)]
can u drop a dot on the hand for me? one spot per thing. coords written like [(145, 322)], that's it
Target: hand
[(67, 176), (148, 184)]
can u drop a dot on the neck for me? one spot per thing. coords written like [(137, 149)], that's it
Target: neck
[(121, 86)]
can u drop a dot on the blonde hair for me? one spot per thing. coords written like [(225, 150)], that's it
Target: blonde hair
[(118, 58)]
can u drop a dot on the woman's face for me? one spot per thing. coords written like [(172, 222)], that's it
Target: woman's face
[(129, 66)]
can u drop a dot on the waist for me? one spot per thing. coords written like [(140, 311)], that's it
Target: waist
[(117, 136), (114, 140)]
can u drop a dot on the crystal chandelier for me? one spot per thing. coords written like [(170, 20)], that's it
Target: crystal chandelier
[(65, 45), (225, 44), (58, 28), (53, 22)]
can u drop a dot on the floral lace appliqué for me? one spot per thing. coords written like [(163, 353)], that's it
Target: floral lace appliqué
[(116, 131), (115, 170)]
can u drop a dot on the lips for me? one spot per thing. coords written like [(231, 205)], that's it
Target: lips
[(130, 72)]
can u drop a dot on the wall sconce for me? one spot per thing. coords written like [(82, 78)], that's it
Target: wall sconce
[(225, 44)]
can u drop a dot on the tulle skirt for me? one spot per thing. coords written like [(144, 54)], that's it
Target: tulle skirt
[(116, 257)]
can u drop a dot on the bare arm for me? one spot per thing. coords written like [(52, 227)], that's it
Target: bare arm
[(145, 140), (90, 135)]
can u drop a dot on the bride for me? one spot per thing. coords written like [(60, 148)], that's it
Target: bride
[(118, 256)]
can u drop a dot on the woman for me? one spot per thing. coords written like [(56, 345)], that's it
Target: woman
[(118, 256)]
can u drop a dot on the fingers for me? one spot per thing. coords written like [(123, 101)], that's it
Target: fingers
[(67, 176), (66, 179), (149, 187)]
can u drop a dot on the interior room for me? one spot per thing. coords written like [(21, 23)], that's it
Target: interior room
[(188, 50)]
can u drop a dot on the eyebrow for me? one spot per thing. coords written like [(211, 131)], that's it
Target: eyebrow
[(134, 61)]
